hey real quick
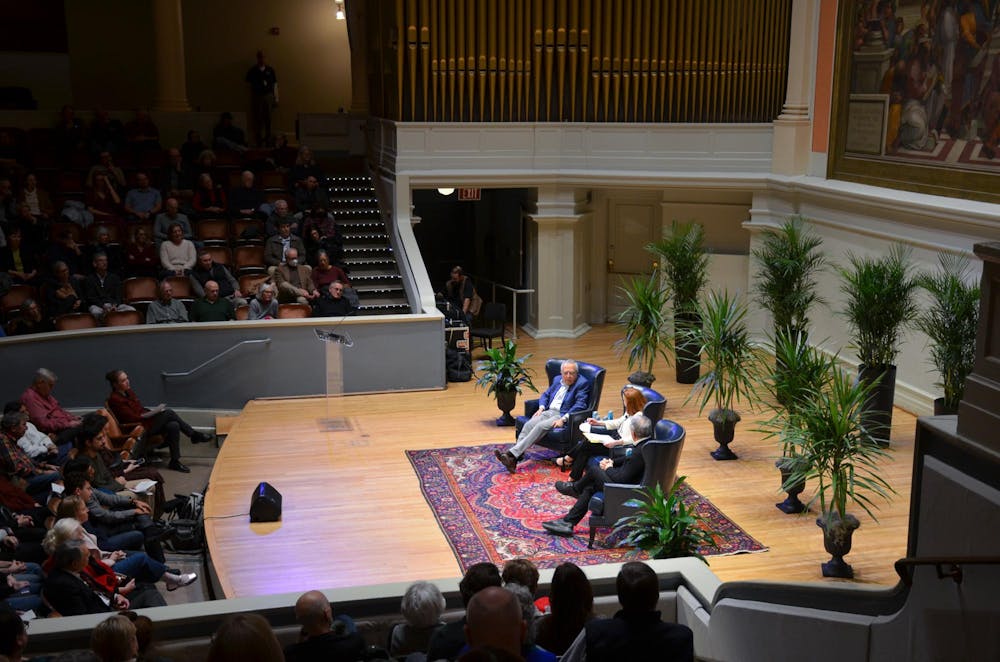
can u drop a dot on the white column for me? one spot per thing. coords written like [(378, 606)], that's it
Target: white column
[(793, 127), (168, 45), (561, 256)]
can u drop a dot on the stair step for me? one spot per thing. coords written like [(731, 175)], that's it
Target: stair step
[(387, 290), (369, 260), (379, 237), (367, 248), (354, 212), (373, 274), (349, 180)]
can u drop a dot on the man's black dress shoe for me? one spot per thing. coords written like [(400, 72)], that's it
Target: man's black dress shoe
[(567, 487), (200, 438), (175, 465), (507, 460), (559, 527)]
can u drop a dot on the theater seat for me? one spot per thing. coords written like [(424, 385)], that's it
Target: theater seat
[(123, 318), (73, 321), (243, 313), (661, 454), (294, 311), (564, 438), (139, 291)]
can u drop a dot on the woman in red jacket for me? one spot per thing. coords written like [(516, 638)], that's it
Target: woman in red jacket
[(125, 405)]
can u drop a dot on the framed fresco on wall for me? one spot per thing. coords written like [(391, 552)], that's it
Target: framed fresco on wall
[(916, 101)]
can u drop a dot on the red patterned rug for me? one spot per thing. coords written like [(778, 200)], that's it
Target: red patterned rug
[(488, 514)]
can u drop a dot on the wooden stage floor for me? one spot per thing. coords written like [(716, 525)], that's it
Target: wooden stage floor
[(354, 515)]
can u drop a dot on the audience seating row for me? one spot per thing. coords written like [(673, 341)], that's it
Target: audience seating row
[(73, 321)]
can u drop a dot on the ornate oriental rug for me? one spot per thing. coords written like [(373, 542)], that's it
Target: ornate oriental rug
[(488, 514)]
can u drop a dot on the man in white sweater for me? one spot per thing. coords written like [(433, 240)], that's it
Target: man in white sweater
[(35, 443)]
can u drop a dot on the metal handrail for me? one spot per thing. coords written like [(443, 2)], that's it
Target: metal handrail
[(218, 356), (513, 290), (904, 567)]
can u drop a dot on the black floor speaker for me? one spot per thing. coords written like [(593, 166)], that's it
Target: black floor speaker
[(265, 504)]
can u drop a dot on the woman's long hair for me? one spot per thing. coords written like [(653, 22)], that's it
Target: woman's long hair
[(634, 400)]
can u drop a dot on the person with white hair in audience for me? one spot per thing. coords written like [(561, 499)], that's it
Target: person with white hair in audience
[(422, 607), (245, 199), (323, 636), (37, 444), (166, 309), (294, 280), (46, 412), (265, 306), (37, 474), (67, 590)]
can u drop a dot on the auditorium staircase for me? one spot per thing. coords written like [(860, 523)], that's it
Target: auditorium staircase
[(368, 255)]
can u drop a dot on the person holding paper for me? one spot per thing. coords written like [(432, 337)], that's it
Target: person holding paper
[(127, 408), (611, 437)]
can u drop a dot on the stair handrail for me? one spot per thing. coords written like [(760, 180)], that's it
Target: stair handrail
[(905, 566), (254, 341), (493, 297)]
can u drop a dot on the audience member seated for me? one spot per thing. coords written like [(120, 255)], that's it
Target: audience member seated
[(227, 135), (265, 306), (211, 307), (144, 636), (68, 591), (310, 198), (325, 272), (17, 259), (283, 155), (105, 166), (320, 234), (31, 320), (38, 200), (245, 200), (305, 166), (422, 607), (35, 443), (495, 622), (103, 200), (209, 199), (114, 640), (626, 469), (74, 506), (13, 635), (323, 636), (244, 638), (143, 202), (106, 133), (204, 165), (166, 309), (177, 255), (171, 214), (102, 290), (618, 431), (34, 230), (21, 588), (141, 134), (192, 148), (65, 248), (568, 392), (36, 474), (333, 303), (141, 257), (450, 638), (571, 600), (276, 247), (127, 408), (525, 573), (46, 412), (280, 214), (7, 202), (62, 293), (176, 180), (294, 280), (102, 244), (207, 269), (636, 632)]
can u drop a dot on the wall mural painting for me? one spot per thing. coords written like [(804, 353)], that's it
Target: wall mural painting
[(925, 83)]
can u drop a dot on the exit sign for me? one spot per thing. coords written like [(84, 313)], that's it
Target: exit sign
[(470, 194)]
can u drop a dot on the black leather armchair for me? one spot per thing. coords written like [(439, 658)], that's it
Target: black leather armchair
[(656, 403), (564, 438), (661, 454)]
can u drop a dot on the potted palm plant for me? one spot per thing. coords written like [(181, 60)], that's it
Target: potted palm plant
[(503, 374), (684, 264), (880, 304), (838, 448), (664, 526), (645, 325), (730, 362), (800, 370), (788, 261), (950, 325)]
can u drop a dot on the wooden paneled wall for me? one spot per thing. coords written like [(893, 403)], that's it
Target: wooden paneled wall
[(578, 60)]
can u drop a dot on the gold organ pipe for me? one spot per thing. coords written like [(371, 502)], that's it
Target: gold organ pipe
[(573, 44), (538, 45), (626, 61), (596, 52), (671, 59), (492, 51), (549, 52), (585, 35), (643, 58), (469, 102), (698, 61), (560, 46), (616, 63), (423, 51), (606, 70), (400, 55), (654, 60)]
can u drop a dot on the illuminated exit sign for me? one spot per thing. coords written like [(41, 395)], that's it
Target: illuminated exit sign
[(470, 194)]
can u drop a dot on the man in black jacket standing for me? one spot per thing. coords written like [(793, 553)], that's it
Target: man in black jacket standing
[(627, 469)]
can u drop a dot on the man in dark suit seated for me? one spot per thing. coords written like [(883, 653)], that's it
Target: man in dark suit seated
[(627, 469), (569, 392), (636, 633), (67, 590)]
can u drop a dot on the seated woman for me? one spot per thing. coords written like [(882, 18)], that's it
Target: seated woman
[(141, 259), (619, 429), (265, 306), (127, 408), (178, 255), (422, 607), (103, 201), (69, 590), (572, 603), (21, 585), (36, 198), (18, 260), (209, 199)]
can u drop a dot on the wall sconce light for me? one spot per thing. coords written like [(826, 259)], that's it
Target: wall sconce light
[(340, 9), (446, 191)]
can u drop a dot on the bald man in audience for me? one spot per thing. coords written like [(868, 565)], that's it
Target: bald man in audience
[(494, 622), (323, 637)]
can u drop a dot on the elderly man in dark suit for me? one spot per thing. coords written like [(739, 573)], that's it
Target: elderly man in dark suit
[(627, 469), (569, 392)]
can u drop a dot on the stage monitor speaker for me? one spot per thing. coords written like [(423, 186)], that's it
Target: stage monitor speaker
[(265, 504)]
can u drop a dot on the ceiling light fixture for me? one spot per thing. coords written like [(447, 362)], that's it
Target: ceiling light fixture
[(446, 191)]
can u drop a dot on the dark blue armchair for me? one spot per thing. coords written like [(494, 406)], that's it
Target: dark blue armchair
[(564, 438), (661, 454)]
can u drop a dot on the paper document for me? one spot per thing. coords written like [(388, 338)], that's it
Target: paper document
[(144, 486), (597, 438)]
